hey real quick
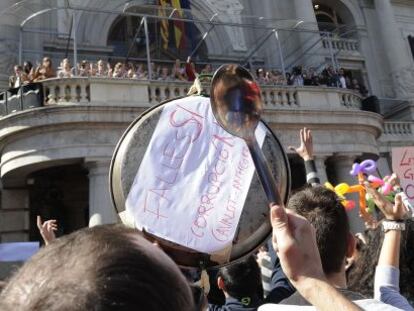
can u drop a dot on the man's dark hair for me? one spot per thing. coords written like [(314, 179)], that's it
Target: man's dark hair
[(101, 268), (324, 210), (242, 279)]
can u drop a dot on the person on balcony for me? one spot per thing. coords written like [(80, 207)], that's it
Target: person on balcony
[(165, 74), (155, 71), (297, 76), (84, 69), (131, 71), (207, 70), (28, 70), (261, 76), (141, 73), (178, 72), (18, 78), (65, 69), (44, 71), (359, 87), (310, 77), (190, 70), (101, 70), (330, 77), (270, 78), (342, 78), (119, 71)]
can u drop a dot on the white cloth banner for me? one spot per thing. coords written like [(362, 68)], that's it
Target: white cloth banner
[(403, 166), (193, 180)]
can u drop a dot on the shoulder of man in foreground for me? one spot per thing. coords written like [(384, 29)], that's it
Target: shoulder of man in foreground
[(365, 304)]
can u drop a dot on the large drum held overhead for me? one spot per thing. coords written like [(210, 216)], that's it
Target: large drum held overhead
[(253, 227)]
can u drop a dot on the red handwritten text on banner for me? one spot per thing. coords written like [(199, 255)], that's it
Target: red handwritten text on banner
[(403, 166), (193, 180)]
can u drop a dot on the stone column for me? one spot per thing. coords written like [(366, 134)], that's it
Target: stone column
[(14, 215), (321, 168), (342, 165), (101, 210), (384, 165), (402, 70)]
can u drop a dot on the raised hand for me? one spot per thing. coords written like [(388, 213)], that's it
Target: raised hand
[(305, 150), (294, 240), (47, 229), (396, 211)]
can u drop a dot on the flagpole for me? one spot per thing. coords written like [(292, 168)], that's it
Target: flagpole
[(135, 38), (75, 43), (148, 48)]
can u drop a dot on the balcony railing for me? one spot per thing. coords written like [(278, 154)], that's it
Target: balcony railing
[(75, 90), (159, 91), (350, 45), (399, 128), (141, 93), (279, 96), (273, 96)]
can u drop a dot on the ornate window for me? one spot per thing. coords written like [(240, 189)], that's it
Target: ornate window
[(165, 43), (328, 19)]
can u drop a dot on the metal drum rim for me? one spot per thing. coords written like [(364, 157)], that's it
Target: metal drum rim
[(232, 259)]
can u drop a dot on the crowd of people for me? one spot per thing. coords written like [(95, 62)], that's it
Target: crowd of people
[(26, 73), (179, 71), (314, 260), (300, 76)]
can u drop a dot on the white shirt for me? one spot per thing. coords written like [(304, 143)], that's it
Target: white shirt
[(365, 304)]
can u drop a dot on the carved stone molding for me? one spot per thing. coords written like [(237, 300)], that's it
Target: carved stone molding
[(404, 82)]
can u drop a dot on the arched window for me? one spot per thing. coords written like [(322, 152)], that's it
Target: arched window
[(163, 39), (327, 18)]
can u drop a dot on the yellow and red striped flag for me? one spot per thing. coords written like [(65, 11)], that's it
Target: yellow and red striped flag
[(165, 34)]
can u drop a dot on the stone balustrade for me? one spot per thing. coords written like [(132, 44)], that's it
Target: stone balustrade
[(142, 93), (159, 91), (350, 45), (349, 99), (274, 96), (399, 128), (75, 90), (396, 134), (279, 96)]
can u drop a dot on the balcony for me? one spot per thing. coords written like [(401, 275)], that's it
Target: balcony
[(136, 93), (340, 44), (81, 120)]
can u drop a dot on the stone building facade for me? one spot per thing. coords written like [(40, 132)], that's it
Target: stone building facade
[(55, 158)]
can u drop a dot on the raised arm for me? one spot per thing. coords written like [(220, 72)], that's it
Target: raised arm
[(387, 273), (305, 151), (294, 240)]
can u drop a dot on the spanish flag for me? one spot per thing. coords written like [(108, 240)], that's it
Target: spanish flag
[(165, 34), (178, 26)]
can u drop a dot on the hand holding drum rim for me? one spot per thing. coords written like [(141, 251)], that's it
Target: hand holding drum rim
[(237, 105)]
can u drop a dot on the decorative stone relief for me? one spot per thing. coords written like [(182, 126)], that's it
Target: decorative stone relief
[(229, 11), (404, 82)]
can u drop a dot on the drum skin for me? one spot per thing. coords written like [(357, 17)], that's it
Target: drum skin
[(254, 226)]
